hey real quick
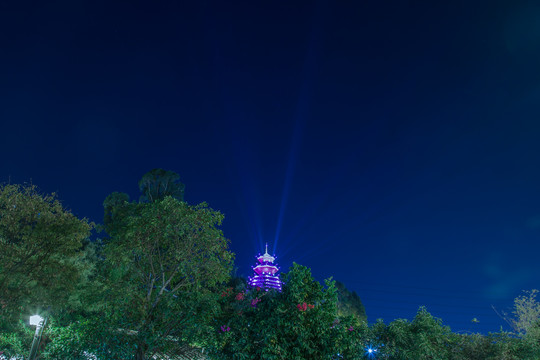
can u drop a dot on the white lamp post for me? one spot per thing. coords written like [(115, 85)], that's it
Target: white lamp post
[(39, 323)]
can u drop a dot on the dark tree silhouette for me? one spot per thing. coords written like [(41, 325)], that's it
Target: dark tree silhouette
[(158, 183), (349, 303)]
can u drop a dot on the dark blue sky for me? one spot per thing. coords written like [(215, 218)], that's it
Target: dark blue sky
[(393, 145)]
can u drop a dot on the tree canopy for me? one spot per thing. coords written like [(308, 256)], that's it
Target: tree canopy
[(42, 257), (163, 260), (349, 303), (158, 183), (526, 312)]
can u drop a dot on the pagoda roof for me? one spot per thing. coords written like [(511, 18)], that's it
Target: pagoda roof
[(266, 257), (272, 269)]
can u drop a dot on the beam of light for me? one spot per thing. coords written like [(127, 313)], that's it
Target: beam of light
[(249, 204), (389, 204), (302, 110), (304, 222), (239, 148), (288, 180), (233, 110)]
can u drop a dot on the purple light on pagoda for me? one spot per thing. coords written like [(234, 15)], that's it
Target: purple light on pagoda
[(266, 276)]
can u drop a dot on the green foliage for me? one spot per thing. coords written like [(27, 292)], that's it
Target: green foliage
[(65, 342), (350, 337), (115, 208), (349, 303), (426, 338), (294, 324), (16, 341), (162, 262), (278, 327), (422, 338), (42, 258), (495, 346), (87, 335), (158, 183), (527, 315)]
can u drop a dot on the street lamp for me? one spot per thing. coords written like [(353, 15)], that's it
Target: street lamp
[(35, 320), (39, 323), (371, 352)]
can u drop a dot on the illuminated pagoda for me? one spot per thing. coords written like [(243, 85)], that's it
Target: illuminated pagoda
[(266, 276)]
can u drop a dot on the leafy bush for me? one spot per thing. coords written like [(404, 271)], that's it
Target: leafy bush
[(294, 324), (16, 342)]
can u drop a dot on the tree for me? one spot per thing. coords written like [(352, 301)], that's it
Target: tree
[(423, 338), (494, 346), (42, 261), (349, 303), (158, 183), (42, 257), (115, 211), (526, 321), (162, 262)]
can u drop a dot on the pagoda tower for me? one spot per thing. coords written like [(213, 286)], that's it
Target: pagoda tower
[(266, 276)]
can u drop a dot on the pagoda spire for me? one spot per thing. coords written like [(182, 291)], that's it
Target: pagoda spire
[(266, 272)]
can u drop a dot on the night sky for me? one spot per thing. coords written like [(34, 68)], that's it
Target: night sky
[(393, 145)]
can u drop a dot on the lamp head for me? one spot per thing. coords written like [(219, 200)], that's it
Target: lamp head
[(35, 320)]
